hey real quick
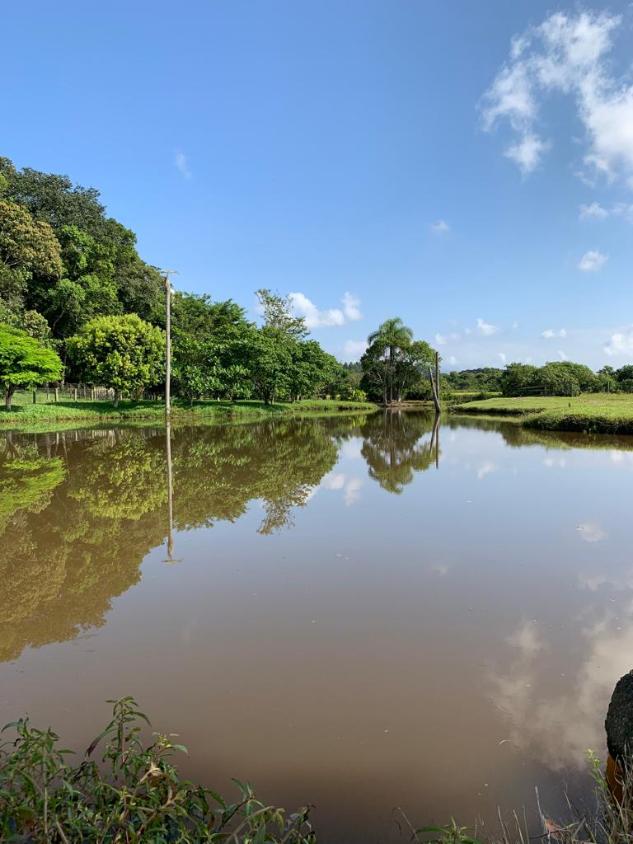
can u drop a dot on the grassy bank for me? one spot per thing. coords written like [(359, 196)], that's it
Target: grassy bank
[(25, 414), (597, 413)]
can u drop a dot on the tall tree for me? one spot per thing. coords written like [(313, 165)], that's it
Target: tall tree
[(394, 363)]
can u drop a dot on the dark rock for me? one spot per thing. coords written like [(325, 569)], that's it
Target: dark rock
[(619, 721)]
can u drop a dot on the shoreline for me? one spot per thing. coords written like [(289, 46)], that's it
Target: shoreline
[(70, 414), (591, 413)]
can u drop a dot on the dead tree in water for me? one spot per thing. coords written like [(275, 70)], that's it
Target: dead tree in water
[(435, 383)]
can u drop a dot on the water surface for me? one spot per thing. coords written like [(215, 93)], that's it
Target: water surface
[(359, 613)]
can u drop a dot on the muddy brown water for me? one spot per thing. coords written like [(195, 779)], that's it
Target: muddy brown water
[(344, 612)]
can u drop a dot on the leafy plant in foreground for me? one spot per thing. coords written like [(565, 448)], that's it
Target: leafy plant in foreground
[(134, 795)]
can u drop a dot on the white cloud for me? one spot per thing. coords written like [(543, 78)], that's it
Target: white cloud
[(485, 469), (592, 261), (443, 339), (567, 54), (486, 328), (351, 307), (339, 482), (354, 348), (333, 481), (527, 152), (352, 491), (620, 343), (315, 318), (562, 355), (182, 165), (549, 333), (503, 357), (591, 532), (624, 210), (440, 227), (594, 211), (452, 360), (527, 639)]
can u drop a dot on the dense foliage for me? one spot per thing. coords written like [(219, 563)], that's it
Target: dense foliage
[(485, 379), (72, 278), (395, 365), (124, 353), (557, 378), (560, 378)]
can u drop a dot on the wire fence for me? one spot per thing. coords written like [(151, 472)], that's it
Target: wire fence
[(50, 393)]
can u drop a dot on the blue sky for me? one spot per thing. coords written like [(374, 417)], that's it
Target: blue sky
[(400, 152)]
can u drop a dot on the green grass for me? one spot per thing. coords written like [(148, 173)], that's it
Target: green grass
[(598, 413), (468, 395), (25, 414)]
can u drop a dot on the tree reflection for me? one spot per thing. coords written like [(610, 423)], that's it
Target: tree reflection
[(78, 516), (396, 445)]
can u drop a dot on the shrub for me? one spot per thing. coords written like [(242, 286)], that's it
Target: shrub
[(134, 795)]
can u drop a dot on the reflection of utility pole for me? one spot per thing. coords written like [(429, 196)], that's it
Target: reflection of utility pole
[(170, 493), (435, 440), (170, 496), (168, 292)]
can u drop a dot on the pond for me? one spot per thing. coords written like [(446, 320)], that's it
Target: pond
[(361, 613)]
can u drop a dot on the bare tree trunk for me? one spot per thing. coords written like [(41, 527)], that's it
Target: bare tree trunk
[(436, 398)]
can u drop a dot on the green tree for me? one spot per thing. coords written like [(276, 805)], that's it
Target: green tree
[(486, 379), (623, 375), (278, 314), (25, 362), (555, 380), (385, 345), (210, 348), (394, 363), (519, 379), (102, 271), (312, 369), (269, 363), (26, 243), (196, 369), (28, 250), (122, 352)]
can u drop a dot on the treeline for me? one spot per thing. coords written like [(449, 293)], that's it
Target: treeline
[(557, 378), (77, 302)]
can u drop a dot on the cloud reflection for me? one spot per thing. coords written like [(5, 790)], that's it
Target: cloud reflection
[(558, 720)]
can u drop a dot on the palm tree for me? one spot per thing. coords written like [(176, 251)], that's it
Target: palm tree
[(393, 335)]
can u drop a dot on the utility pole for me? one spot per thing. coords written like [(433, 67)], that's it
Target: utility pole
[(168, 291)]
